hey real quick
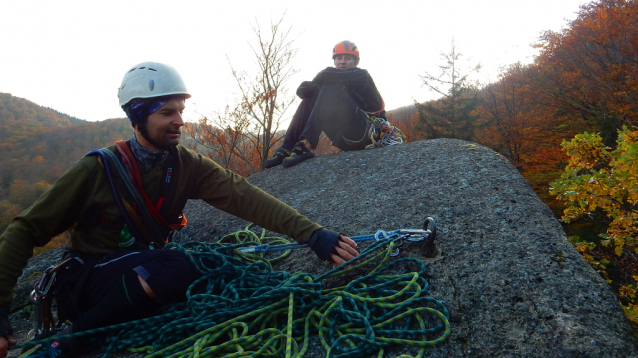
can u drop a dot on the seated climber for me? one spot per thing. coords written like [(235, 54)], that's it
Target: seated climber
[(115, 268), (338, 102)]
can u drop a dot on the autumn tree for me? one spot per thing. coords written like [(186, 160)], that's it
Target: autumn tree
[(406, 118), (515, 125), (505, 106), (249, 131), (454, 114), (264, 97), (598, 177), (225, 136), (589, 69), (38, 144), (601, 182)]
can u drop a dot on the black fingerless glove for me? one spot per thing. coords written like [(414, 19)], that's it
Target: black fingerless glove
[(323, 242), (5, 325)]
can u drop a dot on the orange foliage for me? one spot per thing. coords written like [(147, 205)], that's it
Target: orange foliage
[(57, 241), (406, 123), (589, 69), (229, 142), (517, 125), (324, 146)]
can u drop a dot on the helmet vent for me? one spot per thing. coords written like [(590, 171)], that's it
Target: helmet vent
[(152, 69), (151, 84)]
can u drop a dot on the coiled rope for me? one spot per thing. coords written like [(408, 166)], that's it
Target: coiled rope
[(245, 309), (248, 238)]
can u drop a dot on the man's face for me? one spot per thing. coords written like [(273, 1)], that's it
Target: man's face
[(345, 61), (163, 125)]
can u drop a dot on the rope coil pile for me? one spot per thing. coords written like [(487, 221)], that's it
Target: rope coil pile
[(245, 309)]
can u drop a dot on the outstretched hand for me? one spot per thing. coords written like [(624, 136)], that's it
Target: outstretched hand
[(5, 342), (346, 250)]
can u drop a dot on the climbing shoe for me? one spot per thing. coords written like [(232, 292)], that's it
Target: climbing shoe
[(277, 158), (299, 154)]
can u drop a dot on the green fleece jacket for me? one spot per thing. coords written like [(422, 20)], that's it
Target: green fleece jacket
[(81, 199)]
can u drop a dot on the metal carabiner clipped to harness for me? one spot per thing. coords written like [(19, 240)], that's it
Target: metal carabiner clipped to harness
[(42, 316), (41, 296)]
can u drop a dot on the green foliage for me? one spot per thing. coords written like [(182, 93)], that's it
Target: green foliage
[(455, 114), (599, 178), (585, 247)]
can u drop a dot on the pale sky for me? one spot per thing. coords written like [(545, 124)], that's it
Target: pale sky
[(71, 55)]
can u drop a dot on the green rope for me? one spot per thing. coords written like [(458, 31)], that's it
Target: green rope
[(248, 237), (245, 309)]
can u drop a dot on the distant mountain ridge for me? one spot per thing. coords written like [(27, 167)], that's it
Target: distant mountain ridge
[(19, 109)]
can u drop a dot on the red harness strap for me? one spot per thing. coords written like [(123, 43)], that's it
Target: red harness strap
[(134, 173)]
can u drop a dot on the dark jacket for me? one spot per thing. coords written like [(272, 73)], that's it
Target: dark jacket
[(357, 82)]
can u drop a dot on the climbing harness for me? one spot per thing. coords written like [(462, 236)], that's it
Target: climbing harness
[(133, 171), (142, 228), (241, 309), (383, 134)]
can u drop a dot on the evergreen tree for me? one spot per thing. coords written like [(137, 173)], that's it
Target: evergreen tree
[(454, 115)]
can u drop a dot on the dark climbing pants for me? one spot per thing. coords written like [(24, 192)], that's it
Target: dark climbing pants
[(333, 112), (110, 292)]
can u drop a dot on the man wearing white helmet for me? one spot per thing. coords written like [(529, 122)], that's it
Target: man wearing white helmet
[(109, 274), (339, 102)]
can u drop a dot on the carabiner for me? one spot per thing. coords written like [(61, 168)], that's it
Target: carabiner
[(385, 235)]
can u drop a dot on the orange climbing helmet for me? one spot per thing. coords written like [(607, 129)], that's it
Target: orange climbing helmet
[(345, 47)]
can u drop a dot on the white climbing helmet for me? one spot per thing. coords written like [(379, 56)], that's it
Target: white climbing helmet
[(150, 79)]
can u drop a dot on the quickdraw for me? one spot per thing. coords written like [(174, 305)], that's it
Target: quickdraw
[(427, 234), (383, 134)]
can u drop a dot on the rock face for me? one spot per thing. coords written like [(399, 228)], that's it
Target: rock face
[(513, 284)]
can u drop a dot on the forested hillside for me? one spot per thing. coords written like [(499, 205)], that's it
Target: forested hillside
[(38, 144), (20, 116)]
